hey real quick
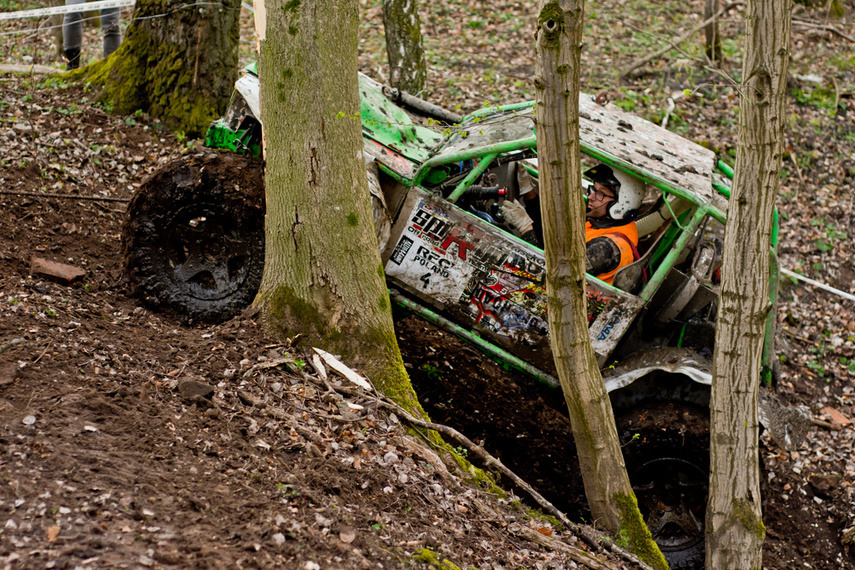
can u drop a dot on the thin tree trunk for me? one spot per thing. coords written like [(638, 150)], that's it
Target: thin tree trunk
[(323, 277), (607, 486), (735, 528), (711, 35), (407, 64), (177, 63), (55, 23)]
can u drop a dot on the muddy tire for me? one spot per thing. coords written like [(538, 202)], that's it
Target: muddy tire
[(666, 449), (193, 240)]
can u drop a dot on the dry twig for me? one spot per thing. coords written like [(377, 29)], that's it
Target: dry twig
[(673, 44), (823, 27), (579, 556), (583, 533), (826, 425), (64, 196)]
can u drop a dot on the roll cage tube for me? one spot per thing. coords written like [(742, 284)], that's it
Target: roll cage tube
[(491, 151)]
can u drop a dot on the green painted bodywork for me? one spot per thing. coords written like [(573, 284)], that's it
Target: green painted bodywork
[(425, 156), (391, 126)]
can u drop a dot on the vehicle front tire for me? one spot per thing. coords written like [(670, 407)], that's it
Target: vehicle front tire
[(193, 240)]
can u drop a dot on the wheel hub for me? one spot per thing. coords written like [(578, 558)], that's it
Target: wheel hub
[(209, 257), (671, 494)]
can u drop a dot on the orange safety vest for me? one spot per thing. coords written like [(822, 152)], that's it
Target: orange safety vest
[(625, 237)]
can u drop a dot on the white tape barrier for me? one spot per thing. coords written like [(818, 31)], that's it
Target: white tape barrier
[(85, 7), (822, 286)]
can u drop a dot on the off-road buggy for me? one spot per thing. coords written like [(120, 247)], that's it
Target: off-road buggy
[(194, 243)]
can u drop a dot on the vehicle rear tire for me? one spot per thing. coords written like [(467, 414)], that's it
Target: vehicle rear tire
[(666, 449), (193, 240)]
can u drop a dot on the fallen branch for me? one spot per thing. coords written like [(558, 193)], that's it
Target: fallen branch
[(21, 68), (598, 544), (824, 27), (673, 44), (826, 425), (577, 555), (64, 196), (595, 542)]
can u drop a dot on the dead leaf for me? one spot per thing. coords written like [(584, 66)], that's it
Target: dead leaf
[(52, 533), (545, 531), (836, 417)]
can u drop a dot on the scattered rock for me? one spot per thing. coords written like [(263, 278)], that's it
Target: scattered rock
[(8, 372), (193, 390), (346, 535), (825, 483), (61, 272)]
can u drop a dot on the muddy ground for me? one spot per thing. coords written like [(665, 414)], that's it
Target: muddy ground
[(135, 439)]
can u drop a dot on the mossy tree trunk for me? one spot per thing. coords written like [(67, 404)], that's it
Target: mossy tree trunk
[(407, 64), (735, 529), (323, 277), (607, 487), (177, 63)]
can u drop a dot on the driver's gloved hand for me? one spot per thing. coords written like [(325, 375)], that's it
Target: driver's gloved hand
[(516, 216)]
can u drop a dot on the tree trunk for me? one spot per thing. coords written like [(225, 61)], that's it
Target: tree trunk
[(55, 23), (176, 63), (407, 65), (323, 277), (711, 36), (607, 486), (735, 528)]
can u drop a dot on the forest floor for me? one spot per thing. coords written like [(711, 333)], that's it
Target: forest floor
[(134, 439)]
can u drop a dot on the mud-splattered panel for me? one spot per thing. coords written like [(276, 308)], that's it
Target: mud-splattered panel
[(487, 281)]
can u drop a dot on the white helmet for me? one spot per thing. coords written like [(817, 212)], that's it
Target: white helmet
[(629, 190)]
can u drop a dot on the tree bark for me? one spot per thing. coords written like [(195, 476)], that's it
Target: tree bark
[(711, 36), (323, 277), (407, 64), (735, 528), (176, 63), (607, 486), (55, 23)]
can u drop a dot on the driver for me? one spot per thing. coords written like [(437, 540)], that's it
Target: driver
[(610, 233)]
